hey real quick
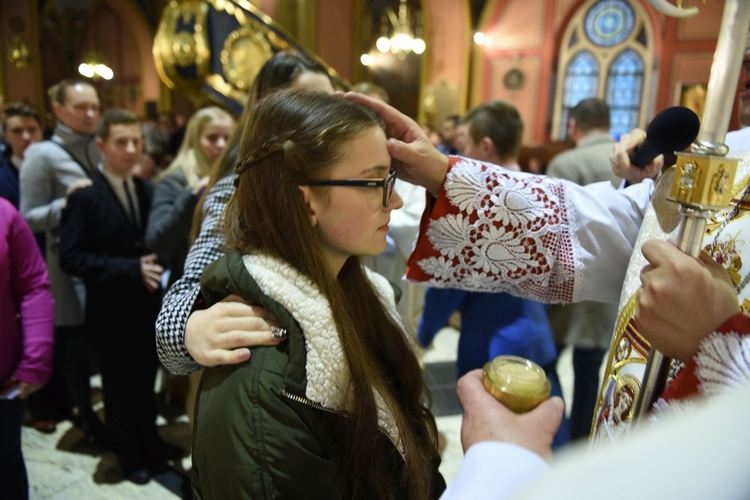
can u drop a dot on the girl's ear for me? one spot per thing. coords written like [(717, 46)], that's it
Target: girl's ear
[(310, 202)]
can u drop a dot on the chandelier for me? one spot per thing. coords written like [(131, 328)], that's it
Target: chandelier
[(94, 67), (399, 38)]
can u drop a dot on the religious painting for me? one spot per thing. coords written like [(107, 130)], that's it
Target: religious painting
[(693, 96)]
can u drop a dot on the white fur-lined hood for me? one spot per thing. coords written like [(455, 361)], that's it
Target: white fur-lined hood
[(326, 367)]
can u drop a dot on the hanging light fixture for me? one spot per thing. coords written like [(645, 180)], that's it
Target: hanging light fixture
[(94, 67), (399, 38)]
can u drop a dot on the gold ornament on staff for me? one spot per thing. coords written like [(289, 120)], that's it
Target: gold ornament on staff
[(704, 176)]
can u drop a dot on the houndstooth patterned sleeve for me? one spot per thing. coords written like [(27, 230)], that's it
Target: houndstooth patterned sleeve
[(181, 297)]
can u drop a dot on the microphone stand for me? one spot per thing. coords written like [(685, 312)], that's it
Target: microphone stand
[(703, 178)]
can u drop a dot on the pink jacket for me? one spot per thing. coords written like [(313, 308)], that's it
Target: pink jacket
[(26, 305)]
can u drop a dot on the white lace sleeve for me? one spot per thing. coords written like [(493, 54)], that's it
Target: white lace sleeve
[(545, 239)]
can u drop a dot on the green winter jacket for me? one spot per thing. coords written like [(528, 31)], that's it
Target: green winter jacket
[(261, 428)]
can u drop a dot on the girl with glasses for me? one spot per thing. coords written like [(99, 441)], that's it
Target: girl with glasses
[(338, 408)]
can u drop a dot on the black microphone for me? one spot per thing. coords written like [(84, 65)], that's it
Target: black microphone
[(674, 129)]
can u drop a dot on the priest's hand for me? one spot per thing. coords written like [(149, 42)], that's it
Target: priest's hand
[(223, 333), (682, 299), (486, 419), (414, 156)]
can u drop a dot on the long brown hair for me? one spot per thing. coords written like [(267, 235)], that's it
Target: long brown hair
[(277, 73), (292, 137)]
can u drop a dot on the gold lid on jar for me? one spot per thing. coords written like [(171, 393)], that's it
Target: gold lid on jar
[(516, 382)]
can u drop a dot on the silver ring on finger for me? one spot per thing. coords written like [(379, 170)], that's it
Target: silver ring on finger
[(279, 332)]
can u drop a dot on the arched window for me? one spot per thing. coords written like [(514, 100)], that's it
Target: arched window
[(606, 53), (581, 80), (624, 91)]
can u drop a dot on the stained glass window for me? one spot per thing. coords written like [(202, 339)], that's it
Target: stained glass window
[(603, 56), (609, 22), (624, 91), (581, 82)]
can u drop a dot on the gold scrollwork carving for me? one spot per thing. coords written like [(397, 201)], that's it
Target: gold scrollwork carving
[(245, 51), (181, 49)]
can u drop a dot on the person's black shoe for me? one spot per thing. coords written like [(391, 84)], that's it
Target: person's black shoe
[(139, 476), (163, 451), (95, 434), (44, 426)]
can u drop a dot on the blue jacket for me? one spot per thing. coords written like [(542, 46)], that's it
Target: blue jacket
[(491, 324)]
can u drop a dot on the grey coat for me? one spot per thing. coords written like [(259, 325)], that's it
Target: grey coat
[(170, 220), (587, 163), (46, 172), (585, 324)]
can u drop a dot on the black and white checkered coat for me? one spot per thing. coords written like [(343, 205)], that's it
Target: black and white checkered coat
[(181, 297)]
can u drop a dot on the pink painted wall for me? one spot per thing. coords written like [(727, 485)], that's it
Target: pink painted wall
[(519, 36), (526, 34), (142, 42), (448, 40), (335, 27)]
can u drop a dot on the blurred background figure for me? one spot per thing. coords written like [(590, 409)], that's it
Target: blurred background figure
[(102, 242), (181, 185), (146, 168), (586, 326), (447, 133), (50, 172), (22, 126)]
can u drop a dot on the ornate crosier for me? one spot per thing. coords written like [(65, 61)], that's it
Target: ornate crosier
[(703, 176)]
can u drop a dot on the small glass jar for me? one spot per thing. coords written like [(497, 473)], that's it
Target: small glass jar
[(516, 382)]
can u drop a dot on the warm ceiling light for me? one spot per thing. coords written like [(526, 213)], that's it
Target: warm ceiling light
[(400, 38), (94, 67), (479, 38)]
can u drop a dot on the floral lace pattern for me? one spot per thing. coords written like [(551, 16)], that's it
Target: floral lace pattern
[(509, 233)]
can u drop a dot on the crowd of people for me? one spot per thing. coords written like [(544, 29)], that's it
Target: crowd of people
[(244, 258)]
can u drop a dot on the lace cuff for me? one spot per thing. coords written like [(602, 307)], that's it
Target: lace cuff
[(495, 230)]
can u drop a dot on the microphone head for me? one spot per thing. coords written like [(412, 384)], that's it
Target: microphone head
[(674, 129)]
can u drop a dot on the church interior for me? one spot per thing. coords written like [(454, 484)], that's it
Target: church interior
[(434, 58)]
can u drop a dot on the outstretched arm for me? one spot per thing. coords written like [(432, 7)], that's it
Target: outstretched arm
[(188, 336), (414, 155)]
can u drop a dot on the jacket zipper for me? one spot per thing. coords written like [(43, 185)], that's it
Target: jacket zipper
[(318, 406)]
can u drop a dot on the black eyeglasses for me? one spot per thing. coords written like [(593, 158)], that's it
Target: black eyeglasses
[(387, 184)]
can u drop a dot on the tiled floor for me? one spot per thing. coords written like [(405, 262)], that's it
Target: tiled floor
[(61, 467)]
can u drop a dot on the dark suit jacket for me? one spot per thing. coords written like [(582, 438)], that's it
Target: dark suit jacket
[(99, 244)]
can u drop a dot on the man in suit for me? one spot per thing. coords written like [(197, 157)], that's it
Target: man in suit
[(102, 241), (50, 171), (587, 326)]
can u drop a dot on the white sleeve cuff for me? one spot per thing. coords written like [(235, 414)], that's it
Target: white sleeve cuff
[(494, 470)]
